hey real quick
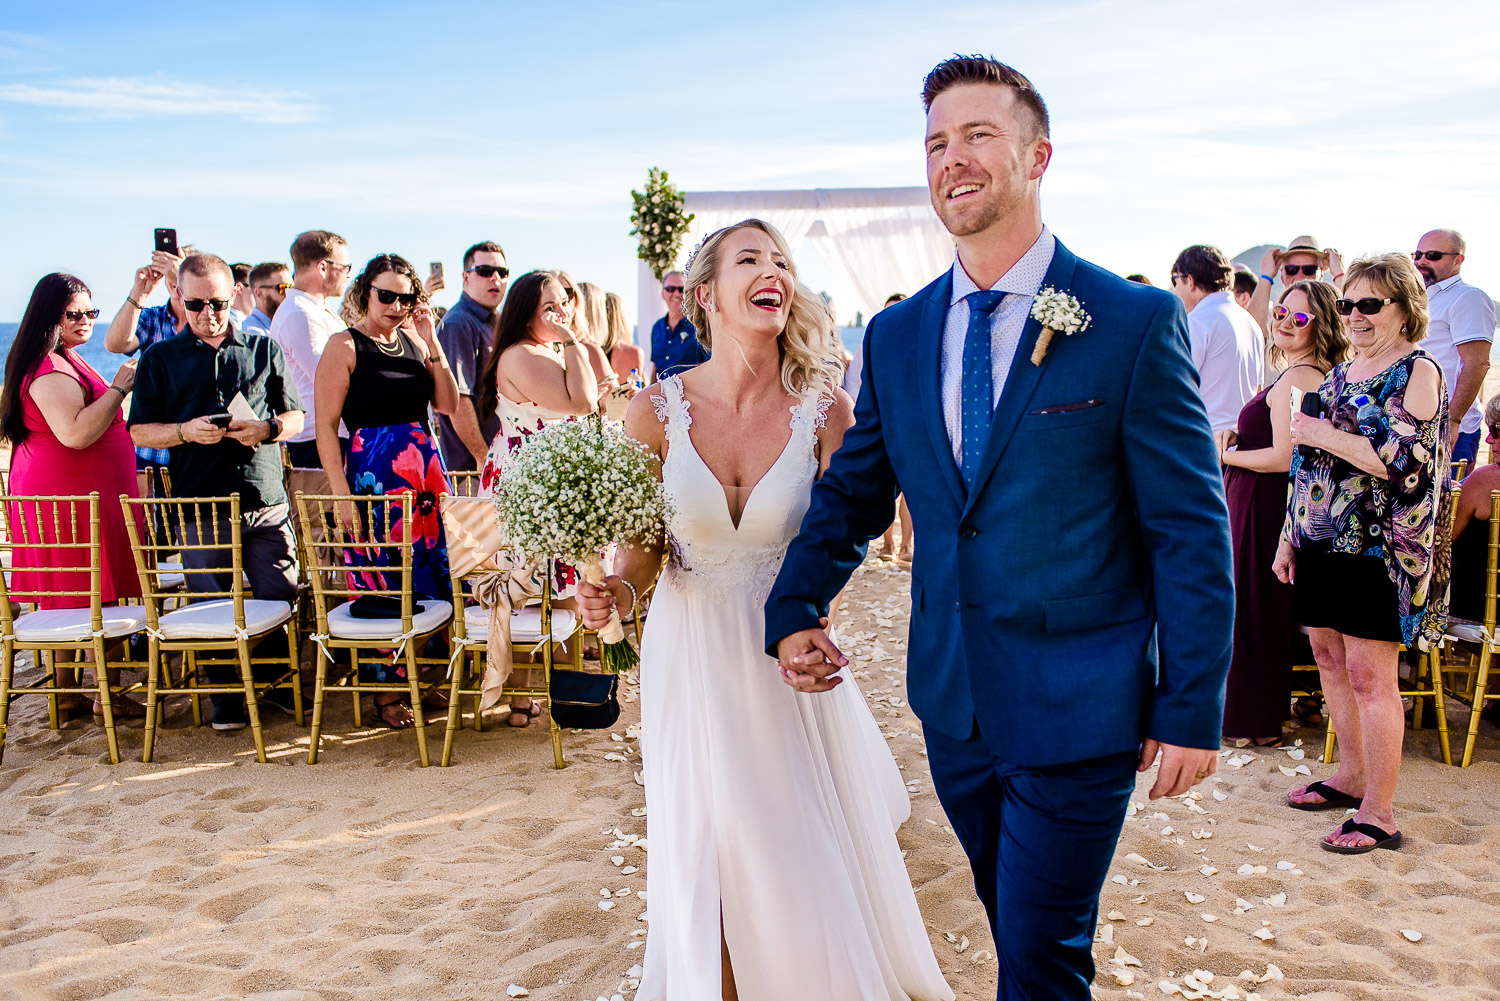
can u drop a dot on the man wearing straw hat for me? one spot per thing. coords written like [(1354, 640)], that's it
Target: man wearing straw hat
[(1304, 259)]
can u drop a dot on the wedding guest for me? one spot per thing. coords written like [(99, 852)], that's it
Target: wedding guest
[(1303, 258), (1471, 527), (1244, 286), (379, 380), (136, 326), (674, 340), (1257, 456), (182, 381), (1226, 343), (1461, 328), (626, 358), (303, 324), (528, 385), (590, 323), (63, 423), (1366, 540), (268, 284), (466, 333), (1139, 279), (243, 302)]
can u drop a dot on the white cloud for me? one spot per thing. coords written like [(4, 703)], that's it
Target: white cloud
[(135, 97)]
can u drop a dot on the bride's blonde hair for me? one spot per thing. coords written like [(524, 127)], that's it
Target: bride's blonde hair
[(809, 349)]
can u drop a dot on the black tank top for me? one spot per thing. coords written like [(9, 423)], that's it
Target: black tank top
[(387, 389)]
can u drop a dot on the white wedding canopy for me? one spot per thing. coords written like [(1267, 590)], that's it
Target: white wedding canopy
[(880, 240)]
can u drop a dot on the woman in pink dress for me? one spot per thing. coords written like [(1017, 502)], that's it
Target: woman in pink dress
[(68, 436)]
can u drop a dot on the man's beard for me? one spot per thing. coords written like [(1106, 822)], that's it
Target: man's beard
[(997, 204), (271, 307)]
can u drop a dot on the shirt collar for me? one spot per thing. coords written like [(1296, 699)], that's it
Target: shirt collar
[(262, 314), (1025, 277), (313, 301), (1445, 284), (234, 337)]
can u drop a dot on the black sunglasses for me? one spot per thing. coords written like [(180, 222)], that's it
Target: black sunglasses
[(196, 305), (1494, 430), (1369, 306), (489, 270), (79, 315), (1432, 255), (386, 297), (672, 288), (1293, 270), (1299, 320)]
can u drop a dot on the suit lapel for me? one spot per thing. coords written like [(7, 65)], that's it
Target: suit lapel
[(929, 379), (1022, 380)]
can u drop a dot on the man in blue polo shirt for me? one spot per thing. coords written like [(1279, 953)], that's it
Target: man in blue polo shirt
[(466, 334), (674, 341)]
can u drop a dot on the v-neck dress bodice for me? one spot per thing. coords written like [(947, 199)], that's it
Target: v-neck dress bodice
[(771, 809)]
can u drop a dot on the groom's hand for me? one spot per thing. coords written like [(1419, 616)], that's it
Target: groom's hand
[(1181, 767), (809, 661)]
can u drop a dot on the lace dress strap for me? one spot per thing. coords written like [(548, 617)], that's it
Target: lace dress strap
[(809, 415), (671, 408)]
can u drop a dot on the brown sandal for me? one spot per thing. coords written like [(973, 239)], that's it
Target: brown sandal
[(526, 715), (396, 715)]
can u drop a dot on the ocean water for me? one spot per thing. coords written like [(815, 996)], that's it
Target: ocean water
[(93, 352)]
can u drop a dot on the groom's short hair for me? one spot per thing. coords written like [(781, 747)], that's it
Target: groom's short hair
[(961, 70)]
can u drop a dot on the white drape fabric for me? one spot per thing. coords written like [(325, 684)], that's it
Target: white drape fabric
[(882, 240)]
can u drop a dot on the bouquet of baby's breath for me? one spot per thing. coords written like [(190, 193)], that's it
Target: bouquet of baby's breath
[(660, 221), (572, 489)]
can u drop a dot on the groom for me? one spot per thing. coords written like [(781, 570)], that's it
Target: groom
[(1072, 597)]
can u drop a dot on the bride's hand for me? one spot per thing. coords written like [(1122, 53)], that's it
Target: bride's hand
[(597, 601), (809, 661)]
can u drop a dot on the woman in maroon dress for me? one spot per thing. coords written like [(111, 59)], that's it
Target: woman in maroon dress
[(64, 423), (1308, 340)]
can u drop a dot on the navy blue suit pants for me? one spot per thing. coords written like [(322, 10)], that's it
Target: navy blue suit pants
[(1040, 841)]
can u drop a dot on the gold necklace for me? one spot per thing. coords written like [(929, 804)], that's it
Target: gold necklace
[(393, 349)]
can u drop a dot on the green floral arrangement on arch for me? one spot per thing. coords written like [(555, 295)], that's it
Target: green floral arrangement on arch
[(660, 222)]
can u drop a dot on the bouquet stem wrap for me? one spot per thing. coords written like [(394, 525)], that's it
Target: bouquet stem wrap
[(615, 653)]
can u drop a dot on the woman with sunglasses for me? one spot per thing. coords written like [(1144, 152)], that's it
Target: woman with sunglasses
[(528, 383), (1366, 539), (1308, 340), (64, 422), (379, 377)]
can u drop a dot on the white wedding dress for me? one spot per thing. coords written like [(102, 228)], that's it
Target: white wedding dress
[(774, 808)]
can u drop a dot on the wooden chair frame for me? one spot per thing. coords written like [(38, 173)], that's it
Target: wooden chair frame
[(327, 571), (1480, 645), (64, 510), (158, 589)]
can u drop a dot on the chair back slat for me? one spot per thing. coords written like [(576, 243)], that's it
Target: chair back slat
[(370, 556), (171, 526), (49, 542), (464, 483)]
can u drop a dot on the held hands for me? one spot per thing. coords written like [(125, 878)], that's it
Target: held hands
[(1181, 767), (250, 433), (597, 601), (124, 379), (809, 661), (1285, 564), (202, 431)]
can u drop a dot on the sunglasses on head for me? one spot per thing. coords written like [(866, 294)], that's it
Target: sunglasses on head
[(197, 305), (1293, 270), (672, 288), (1432, 255), (386, 297), (79, 315), (1299, 320), (1369, 306), (489, 270)]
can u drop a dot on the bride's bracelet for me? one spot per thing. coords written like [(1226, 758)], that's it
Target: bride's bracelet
[(634, 598)]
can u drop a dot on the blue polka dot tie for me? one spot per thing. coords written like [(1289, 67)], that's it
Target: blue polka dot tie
[(977, 385)]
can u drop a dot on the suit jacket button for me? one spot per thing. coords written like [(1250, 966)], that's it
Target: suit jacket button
[(968, 532)]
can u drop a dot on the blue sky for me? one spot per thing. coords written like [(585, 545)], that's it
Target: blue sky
[(420, 129)]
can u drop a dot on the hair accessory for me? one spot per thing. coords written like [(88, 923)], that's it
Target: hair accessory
[(693, 256)]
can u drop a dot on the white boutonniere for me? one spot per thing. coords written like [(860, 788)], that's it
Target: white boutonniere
[(1058, 313)]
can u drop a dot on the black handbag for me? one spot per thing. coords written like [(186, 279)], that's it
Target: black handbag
[(380, 606), (584, 701)]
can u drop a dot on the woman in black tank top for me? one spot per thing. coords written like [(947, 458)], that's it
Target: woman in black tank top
[(379, 378)]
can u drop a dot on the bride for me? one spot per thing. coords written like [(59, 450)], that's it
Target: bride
[(775, 871)]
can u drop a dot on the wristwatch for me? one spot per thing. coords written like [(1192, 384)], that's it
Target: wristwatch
[(275, 429)]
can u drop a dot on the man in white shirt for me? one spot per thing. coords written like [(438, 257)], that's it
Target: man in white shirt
[(1461, 326), (304, 323), (1225, 339)]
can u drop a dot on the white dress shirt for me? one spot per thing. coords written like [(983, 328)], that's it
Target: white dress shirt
[(1229, 354), (1457, 313), (302, 326), (1007, 323)]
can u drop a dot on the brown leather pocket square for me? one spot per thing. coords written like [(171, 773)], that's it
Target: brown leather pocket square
[(1068, 408)]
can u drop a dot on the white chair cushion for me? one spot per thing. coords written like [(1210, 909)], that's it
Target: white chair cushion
[(170, 581), (434, 615), (1465, 630), (67, 625), (214, 620), (525, 624)]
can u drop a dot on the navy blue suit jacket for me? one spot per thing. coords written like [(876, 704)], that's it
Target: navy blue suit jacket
[(1081, 597)]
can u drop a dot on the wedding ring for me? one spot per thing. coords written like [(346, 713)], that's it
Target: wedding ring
[(1202, 775)]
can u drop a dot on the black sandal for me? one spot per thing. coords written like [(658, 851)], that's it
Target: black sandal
[(1383, 839), (1333, 799)]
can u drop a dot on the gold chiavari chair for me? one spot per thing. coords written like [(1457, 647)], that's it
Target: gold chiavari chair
[(473, 537), (41, 531), (326, 556), (464, 483), (1480, 643), (216, 620)]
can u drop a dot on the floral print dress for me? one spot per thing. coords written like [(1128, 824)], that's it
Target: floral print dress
[(1405, 519)]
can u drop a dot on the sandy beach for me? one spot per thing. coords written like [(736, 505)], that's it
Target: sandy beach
[(205, 875)]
